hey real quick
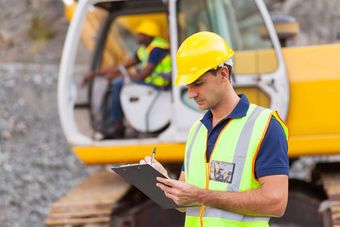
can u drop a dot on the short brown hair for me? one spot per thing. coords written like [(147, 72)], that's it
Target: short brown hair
[(230, 68)]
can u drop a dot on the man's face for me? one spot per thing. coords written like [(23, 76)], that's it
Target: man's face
[(142, 39), (207, 90)]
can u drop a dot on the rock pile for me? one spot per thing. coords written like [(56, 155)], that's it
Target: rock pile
[(36, 163), (319, 20)]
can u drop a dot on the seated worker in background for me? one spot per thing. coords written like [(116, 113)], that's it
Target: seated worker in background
[(154, 59)]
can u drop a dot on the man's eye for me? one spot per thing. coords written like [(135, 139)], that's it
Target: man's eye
[(196, 84)]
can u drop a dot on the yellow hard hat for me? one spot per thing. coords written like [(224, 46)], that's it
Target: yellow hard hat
[(149, 28), (198, 54)]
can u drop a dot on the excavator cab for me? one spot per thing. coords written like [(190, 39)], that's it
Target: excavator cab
[(101, 34), (146, 108)]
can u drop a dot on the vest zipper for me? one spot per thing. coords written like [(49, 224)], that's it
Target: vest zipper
[(207, 168)]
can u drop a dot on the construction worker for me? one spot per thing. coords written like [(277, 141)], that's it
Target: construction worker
[(245, 143), (154, 59)]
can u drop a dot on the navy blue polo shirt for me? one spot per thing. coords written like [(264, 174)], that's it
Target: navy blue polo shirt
[(156, 55), (272, 158)]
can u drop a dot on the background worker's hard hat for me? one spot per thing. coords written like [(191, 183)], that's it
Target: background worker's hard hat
[(149, 28), (199, 53)]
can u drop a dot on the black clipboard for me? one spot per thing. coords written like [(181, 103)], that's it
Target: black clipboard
[(143, 177)]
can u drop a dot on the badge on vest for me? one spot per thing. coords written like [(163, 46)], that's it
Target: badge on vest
[(221, 171)]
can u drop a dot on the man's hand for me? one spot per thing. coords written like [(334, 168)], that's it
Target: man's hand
[(180, 192), (111, 73), (155, 164), (87, 78)]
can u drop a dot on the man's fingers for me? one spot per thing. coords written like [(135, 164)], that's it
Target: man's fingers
[(175, 193), (147, 159), (163, 187), (172, 197), (168, 191), (168, 182)]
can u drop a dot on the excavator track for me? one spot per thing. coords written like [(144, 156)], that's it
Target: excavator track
[(90, 203), (331, 182)]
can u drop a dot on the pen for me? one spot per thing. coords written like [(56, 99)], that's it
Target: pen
[(153, 154)]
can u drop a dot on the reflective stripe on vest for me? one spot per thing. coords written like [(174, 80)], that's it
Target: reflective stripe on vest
[(161, 75), (237, 143), (190, 144), (218, 213)]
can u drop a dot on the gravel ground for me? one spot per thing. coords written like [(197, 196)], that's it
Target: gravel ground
[(36, 164)]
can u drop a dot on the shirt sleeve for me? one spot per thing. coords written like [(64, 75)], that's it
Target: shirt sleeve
[(156, 55), (272, 158)]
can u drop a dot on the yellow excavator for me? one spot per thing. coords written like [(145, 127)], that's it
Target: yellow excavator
[(302, 83)]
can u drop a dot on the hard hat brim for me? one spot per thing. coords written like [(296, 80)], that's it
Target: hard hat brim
[(186, 79)]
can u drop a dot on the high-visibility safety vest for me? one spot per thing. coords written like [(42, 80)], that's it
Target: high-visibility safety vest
[(161, 75), (235, 150)]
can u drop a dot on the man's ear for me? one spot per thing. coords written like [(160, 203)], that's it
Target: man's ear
[(225, 73)]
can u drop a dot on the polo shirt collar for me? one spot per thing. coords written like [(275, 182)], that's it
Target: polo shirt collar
[(239, 111)]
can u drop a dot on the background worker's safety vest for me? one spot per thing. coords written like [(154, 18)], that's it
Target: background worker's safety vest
[(230, 168), (161, 75)]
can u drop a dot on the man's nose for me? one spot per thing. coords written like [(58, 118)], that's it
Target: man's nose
[(192, 93)]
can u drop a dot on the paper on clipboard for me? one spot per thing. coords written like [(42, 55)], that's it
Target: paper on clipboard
[(143, 177)]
